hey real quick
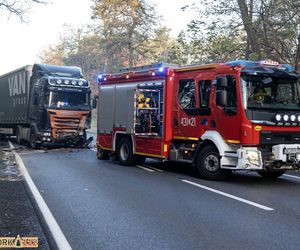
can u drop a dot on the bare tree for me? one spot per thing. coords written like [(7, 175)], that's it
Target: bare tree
[(18, 7)]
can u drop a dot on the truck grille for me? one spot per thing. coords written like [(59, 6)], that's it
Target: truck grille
[(272, 138), (67, 122)]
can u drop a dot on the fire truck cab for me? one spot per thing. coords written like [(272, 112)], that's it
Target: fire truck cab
[(239, 115)]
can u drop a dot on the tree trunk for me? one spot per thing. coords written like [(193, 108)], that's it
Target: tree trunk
[(297, 58), (248, 26)]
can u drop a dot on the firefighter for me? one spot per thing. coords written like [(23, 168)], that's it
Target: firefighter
[(260, 95)]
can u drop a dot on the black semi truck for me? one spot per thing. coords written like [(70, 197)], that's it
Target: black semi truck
[(45, 105)]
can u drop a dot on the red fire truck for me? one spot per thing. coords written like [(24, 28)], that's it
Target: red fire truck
[(239, 115)]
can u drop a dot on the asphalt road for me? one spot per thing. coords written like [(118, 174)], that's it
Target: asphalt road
[(102, 205)]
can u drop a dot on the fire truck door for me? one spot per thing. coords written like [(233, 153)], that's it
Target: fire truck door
[(190, 111), (227, 119)]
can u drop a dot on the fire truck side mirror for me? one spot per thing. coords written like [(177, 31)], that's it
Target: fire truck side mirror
[(222, 82), (221, 98)]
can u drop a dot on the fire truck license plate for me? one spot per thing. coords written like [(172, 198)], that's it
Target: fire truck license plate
[(289, 151)]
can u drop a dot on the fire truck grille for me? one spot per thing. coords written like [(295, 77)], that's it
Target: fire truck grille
[(272, 138)]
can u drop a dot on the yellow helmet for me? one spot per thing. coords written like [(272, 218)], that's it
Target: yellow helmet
[(259, 94)]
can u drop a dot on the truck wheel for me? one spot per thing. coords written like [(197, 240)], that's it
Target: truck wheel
[(33, 143), (102, 154), (125, 152), (270, 174), (18, 134), (208, 164)]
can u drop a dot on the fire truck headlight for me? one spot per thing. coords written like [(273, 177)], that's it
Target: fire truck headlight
[(285, 118), (298, 118), (278, 117), (293, 118), (253, 157)]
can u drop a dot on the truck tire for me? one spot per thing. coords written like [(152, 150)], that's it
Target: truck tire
[(102, 154), (33, 143), (271, 174), (18, 135), (208, 164), (125, 152)]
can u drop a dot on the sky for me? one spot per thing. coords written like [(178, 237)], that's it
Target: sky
[(21, 43)]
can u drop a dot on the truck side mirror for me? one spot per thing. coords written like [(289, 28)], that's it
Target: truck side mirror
[(222, 82), (221, 98), (94, 103)]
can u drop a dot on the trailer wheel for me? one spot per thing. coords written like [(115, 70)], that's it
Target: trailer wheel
[(102, 154), (33, 143), (18, 134), (125, 152), (208, 164), (271, 174)]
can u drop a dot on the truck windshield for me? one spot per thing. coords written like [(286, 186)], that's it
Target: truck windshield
[(267, 92), (67, 100)]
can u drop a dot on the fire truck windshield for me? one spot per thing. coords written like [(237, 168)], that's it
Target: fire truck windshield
[(268, 92), (67, 100)]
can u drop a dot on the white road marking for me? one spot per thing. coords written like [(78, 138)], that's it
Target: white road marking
[(229, 195), (292, 176), (53, 226), (147, 169), (153, 168)]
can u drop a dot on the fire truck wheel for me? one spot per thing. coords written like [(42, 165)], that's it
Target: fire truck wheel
[(102, 154), (208, 164), (270, 174), (125, 152)]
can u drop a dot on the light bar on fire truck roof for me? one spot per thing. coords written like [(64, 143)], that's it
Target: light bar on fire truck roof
[(159, 69), (266, 63)]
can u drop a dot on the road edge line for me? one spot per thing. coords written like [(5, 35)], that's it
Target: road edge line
[(55, 230)]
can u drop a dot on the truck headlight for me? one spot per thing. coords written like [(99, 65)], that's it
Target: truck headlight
[(253, 157), (278, 117)]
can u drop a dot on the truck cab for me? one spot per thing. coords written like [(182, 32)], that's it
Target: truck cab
[(59, 110)]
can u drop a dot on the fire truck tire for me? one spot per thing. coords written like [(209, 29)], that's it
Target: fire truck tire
[(270, 174), (125, 152), (208, 164), (102, 154)]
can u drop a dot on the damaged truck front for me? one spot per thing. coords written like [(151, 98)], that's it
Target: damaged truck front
[(45, 105)]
